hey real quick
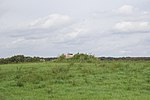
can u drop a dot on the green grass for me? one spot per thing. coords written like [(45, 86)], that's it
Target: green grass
[(106, 80)]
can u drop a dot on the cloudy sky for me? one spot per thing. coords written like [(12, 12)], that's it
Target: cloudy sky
[(52, 27)]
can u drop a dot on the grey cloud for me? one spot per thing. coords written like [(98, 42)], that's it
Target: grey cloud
[(3, 8), (90, 32)]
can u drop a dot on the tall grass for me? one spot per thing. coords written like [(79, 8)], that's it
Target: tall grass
[(102, 80)]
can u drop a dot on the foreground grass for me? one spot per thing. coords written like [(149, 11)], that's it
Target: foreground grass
[(124, 80)]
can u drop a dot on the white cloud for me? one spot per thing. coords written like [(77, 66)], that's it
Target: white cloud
[(128, 26), (126, 9), (55, 28), (74, 33), (145, 12), (51, 21)]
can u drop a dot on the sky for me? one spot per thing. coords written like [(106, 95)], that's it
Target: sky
[(47, 28)]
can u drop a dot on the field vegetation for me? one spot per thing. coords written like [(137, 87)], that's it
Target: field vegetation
[(82, 77)]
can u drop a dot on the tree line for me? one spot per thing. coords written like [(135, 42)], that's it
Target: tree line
[(76, 58), (19, 59)]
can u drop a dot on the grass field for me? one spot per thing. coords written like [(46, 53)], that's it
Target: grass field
[(105, 80)]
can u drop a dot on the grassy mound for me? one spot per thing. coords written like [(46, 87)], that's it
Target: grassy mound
[(81, 58)]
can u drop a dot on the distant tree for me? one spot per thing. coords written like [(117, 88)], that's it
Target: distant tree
[(19, 59)]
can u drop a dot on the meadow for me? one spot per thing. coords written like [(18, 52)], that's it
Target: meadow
[(103, 80)]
